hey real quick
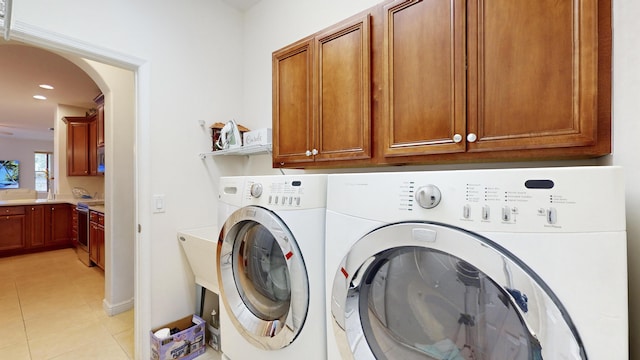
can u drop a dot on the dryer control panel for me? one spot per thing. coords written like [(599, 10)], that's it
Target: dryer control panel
[(536, 200)]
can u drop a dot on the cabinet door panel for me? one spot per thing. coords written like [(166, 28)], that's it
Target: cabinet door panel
[(12, 232), (424, 77), (535, 67), (60, 224), (77, 149), (93, 147), (36, 225), (292, 103), (344, 92)]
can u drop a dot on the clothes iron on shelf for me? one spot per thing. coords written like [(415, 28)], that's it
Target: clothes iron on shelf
[(228, 135)]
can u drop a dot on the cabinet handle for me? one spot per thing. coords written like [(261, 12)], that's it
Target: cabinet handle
[(472, 137), (457, 138), (308, 153), (314, 152)]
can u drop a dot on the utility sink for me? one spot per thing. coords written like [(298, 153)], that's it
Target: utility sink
[(200, 246)]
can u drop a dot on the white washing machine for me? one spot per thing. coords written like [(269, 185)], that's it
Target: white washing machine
[(271, 267), (480, 264)]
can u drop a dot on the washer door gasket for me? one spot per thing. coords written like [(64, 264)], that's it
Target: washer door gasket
[(263, 278)]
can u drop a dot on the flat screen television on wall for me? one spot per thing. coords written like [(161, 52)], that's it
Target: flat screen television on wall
[(9, 174)]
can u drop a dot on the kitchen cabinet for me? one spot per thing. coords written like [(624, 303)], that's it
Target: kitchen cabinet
[(58, 224), (74, 226), (31, 228), (12, 228), (520, 88), (36, 229), (99, 100), (82, 145), (322, 96), (96, 238)]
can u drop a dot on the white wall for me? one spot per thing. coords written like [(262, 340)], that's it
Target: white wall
[(23, 150)]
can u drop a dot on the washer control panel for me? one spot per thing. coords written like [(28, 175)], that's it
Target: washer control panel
[(286, 192), (549, 199)]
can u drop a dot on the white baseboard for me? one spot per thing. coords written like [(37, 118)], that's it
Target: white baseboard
[(114, 309)]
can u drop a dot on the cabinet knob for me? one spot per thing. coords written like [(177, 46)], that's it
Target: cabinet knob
[(472, 137), (457, 138), (308, 153), (314, 152)]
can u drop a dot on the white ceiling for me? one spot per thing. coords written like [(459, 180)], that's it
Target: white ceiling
[(23, 68)]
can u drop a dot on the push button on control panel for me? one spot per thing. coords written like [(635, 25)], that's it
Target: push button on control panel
[(466, 211), (552, 216), (486, 213), (506, 213)]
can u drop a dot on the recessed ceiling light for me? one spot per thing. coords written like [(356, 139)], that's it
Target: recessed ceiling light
[(39, 97), (45, 86)]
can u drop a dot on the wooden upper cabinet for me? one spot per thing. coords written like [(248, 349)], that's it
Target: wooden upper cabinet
[(77, 146), (322, 96), (82, 145), (533, 74), (436, 81), (99, 100), (293, 103), (343, 118), (423, 77)]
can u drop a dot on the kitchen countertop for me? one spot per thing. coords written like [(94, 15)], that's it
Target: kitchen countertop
[(26, 202)]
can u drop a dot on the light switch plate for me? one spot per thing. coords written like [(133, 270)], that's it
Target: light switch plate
[(158, 203)]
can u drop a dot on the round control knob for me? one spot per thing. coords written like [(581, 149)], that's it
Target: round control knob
[(457, 138), (472, 137), (428, 196), (256, 190)]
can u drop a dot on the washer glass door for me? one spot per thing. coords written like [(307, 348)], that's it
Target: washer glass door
[(262, 278), (428, 291)]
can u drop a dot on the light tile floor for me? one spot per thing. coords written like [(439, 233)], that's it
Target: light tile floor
[(51, 308)]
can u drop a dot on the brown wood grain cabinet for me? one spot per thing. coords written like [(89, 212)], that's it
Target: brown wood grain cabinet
[(99, 100), (321, 96), (82, 145), (96, 238), (456, 81), (58, 224), (508, 80), (36, 228), (13, 229), (423, 77), (33, 228)]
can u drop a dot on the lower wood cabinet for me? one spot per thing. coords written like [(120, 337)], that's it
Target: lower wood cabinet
[(12, 228), (96, 238), (59, 224), (32, 228), (36, 225)]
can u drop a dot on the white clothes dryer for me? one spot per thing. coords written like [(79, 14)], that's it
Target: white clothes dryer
[(477, 264), (271, 267)]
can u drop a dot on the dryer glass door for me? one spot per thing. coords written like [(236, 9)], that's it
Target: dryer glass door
[(262, 278), (427, 291)]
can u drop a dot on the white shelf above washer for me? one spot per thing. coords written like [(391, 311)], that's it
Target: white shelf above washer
[(243, 150)]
